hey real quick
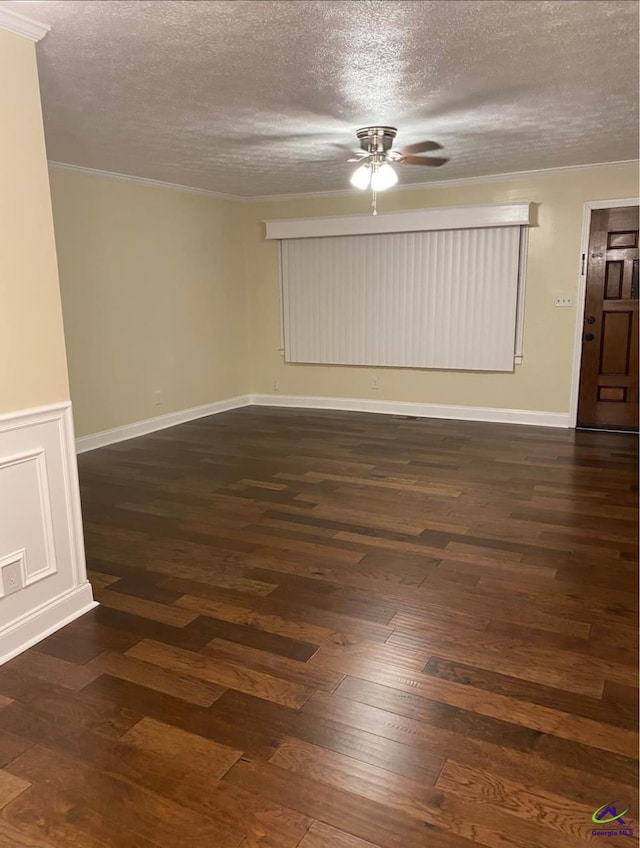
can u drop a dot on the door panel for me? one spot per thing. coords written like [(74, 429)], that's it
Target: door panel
[(615, 344), (614, 271), (609, 369)]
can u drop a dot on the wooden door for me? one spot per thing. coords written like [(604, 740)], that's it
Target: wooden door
[(609, 370)]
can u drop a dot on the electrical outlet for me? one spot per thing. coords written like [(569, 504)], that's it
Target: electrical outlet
[(275, 385), (157, 397), (11, 578), (564, 300), (375, 383)]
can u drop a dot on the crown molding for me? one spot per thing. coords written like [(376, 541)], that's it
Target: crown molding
[(274, 198), (21, 25), (144, 181), (461, 181)]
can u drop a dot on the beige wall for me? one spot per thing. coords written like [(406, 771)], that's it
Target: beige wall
[(32, 357), (153, 299), (166, 291), (541, 383)]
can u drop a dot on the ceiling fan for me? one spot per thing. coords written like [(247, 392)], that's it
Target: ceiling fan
[(377, 156)]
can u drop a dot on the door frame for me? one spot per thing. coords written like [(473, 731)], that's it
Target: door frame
[(581, 295)]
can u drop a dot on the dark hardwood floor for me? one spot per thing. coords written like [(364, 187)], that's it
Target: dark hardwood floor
[(337, 630)]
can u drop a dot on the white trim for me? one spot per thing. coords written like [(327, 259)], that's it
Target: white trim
[(72, 483), (412, 220), (45, 620), (30, 417), (144, 181), (152, 425), (522, 294), (46, 435), (281, 295), (62, 414), (21, 25), (38, 456), (346, 192), (581, 295), (422, 410), (434, 184)]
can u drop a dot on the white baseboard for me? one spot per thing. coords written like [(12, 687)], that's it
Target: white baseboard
[(387, 407), (422, 410), (42, 622), (152, 425)]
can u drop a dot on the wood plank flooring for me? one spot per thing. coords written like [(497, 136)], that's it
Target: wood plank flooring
[(337, 630)]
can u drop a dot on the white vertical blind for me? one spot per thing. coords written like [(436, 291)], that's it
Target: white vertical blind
[(437, 299)]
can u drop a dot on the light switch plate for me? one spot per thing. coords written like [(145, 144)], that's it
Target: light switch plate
[(564, 300)]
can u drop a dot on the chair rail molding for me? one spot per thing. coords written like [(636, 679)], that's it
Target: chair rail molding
[(41, 541)]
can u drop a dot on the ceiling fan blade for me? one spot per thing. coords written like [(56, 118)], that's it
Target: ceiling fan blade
[(432, 162), (421, 147), (347, 148)]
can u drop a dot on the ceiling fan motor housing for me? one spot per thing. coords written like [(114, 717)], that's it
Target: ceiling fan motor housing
[(376, 139)]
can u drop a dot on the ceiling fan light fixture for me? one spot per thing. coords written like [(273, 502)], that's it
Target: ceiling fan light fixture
[(377, 152), (361, 177), (383, 177)]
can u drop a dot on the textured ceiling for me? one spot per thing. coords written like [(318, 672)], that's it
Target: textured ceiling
[(252, 98)]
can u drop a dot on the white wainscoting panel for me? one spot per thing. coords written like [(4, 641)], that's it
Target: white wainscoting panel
[(40, 527)]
